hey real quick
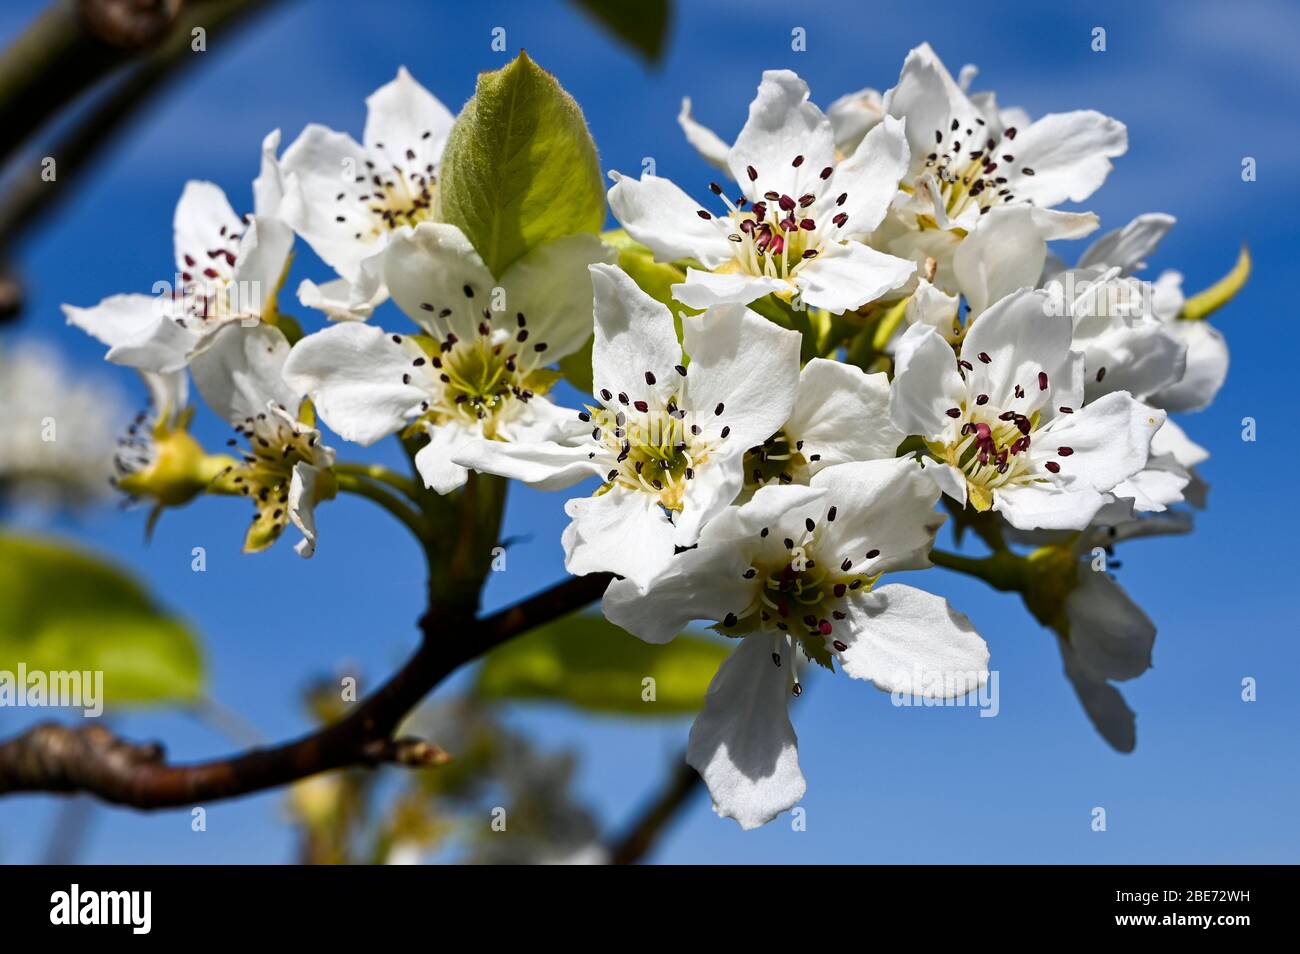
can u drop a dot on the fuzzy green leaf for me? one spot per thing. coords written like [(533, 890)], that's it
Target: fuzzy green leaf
[(520, 167)]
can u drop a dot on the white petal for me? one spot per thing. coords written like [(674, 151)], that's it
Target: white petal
[(1069, 154), (634, 334), (621, 531), (434, 461), (1046, 507), (1109, 632), (705, 583), (1055, 224), (841, 415), (1140, 357), (116, 320), (745, 365), (318, 166), (364, 384), (947, 478), (869, 178), (773, 514), (706, 289), (706, 142), (928, 98), (1110, 439), (782, 125), (552, 288), (341, 300), (884, 508), (666, 220), (931, 305), (1167, 295), (715, 486), (302, 506), (1206, 370), (1129, 246), (907, 640), (1156, 487), (406, 123), (1021, 335), (1173, 440), (545, 465), (1105, 707), (268, 187), (854, 115), (433, 269), (1002, 253), (742, 743), (203, 222), (847, 276), (169, 393), (926, 383), (241, 373), (260, 264), (138, 330)]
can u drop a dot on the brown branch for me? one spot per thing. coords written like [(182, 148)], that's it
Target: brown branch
[(54, 758), (65, 51), (640, 837), (31, 194)]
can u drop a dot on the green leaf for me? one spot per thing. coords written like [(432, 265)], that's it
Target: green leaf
[(62, 609), (520, 167), (586, 661), (642, 25)]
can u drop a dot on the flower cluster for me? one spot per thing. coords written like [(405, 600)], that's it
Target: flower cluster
[(866, 324)]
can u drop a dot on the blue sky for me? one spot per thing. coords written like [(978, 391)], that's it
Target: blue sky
[(1200, 85)]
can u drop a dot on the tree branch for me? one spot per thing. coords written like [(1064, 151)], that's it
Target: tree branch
[(31, 194), (634, 844), (55, 758)]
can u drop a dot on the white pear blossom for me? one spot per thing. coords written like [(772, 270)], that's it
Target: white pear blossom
[(667, 441), (228, 271), (1005, 420), (795, 227), (841, 414), (1130, 330), (346, 199), (285, 470), (852, 116), (966, 161), (478, 367), (793, 572), (56, 445), (1204, 365), (1126, 347)]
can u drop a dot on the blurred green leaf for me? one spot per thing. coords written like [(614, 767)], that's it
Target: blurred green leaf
[(62, 609), (586, 661), (520, 167), (643, 25)]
